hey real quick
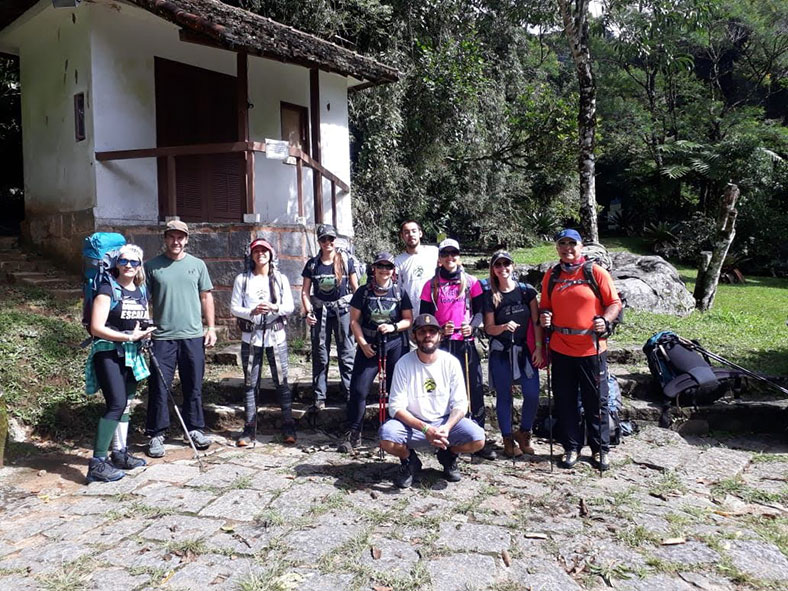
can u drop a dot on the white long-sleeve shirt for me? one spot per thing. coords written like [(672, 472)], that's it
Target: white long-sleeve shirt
[(428, 391), (258, 291)]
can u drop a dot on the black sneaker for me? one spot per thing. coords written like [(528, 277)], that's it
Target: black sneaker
[(448, 460), (350, 442), (101, 470), (569, 459), (600, 461), (246, 437), (122, 459), (486, 453), (408, 469)]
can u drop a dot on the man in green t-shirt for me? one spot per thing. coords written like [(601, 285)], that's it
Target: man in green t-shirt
[(180, 294)]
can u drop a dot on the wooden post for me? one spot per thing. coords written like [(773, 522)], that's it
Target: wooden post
[(172, 208), (300, 183), (314, 120), (242, 91), (709, 272), (334, 203)]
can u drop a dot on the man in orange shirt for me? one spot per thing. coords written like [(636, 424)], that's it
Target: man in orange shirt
[(579, 318)]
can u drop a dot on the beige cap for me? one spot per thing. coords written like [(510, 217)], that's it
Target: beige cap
[(177, 225)]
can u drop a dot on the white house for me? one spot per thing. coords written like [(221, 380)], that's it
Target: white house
[(134, 111)]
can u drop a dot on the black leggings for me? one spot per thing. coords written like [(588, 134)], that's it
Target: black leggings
[(113, 375)]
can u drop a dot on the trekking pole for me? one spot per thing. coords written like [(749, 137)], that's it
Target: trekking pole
[(549, 395), (512, 361), (716, 357), (261, 327), (599, 396), (467, 376), (147, 344), (382, 395)]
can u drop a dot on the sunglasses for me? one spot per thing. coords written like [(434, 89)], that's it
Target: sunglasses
[(134, 263), (326, 239), (567, 243), (450, 253), (385, 267), (499, 264)]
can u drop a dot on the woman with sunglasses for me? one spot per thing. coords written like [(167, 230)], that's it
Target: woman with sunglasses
[(118, 322), (329, 280), (380, 315), (456, 300), (509, 307)]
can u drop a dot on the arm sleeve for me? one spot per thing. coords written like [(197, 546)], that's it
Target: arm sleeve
[(287, 305), (204, 282), (477, 304), (458, 398), (398, 396), (606, 287), (405, 302), (237, 308), (545, 303), (426, 306)]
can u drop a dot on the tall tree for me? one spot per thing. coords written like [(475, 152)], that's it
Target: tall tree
[(574, 14)]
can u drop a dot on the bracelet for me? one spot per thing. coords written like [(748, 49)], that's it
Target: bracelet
[(538, 345), (425, 428), (210, 328)]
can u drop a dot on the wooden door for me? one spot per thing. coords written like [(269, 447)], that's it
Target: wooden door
[(198, 106), (295, 125)]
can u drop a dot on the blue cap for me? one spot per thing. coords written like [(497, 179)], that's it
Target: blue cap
[(569, 233)]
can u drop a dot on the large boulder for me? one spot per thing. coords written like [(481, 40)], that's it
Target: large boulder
[(651, 283), (647, 283)]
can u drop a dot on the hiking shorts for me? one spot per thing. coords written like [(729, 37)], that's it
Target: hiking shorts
[(396, 431)]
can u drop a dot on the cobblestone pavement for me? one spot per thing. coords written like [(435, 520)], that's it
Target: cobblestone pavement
[(671, 515)]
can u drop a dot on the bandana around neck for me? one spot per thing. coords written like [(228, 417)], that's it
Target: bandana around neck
[(450, 276), (571, 268)]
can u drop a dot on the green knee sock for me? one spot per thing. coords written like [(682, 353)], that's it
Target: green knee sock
[(104, 433)]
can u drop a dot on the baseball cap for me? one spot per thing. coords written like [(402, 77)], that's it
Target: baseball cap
[(382, 257), (569, 233), (448, 243), (264, 243), (423, 320), (500, 254), (326, 230), (177, 225)]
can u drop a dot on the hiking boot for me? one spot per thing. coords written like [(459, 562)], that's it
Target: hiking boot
[(122, 459), (201, 441), (523, 439), (155, 447), (408, 468), (448, 460), (600, 461), (486, 453), (569, 459), (101, 470), (350, 442), (288, 434), (246, 438), (510, 449)]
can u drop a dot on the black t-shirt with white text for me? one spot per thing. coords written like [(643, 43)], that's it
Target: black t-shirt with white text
[(132, 308), (514, 306)]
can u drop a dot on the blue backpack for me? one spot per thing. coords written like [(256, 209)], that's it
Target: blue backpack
[(99, 256)]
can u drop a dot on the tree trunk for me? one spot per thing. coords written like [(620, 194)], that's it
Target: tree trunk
[(575, 19), (711, 267)]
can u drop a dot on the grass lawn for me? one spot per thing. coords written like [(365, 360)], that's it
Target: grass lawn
[(746, 324)]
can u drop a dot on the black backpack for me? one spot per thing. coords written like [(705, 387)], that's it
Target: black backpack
[(684, 374)]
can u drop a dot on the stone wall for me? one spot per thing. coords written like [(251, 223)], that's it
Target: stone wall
[(59, 235), (222, 247)]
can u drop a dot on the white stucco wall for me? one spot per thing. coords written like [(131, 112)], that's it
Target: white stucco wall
[(54, 52), (122, 41)]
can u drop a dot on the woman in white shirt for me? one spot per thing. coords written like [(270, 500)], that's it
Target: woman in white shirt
[(261, 302)]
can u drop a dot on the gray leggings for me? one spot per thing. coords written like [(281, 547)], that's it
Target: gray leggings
[(283, 392)]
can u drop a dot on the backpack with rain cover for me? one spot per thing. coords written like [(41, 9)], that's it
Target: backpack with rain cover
[(99, 255), (684, 374)]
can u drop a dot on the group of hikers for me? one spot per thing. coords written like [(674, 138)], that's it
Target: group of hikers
[(421, 299)]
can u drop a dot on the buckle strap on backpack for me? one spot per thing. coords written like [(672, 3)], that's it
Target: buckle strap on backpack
[(572, 331)]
